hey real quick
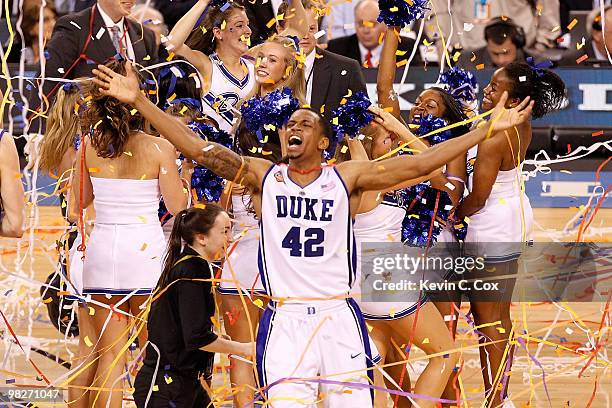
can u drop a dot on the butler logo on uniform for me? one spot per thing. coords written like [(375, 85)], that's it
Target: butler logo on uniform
[(304, 207)]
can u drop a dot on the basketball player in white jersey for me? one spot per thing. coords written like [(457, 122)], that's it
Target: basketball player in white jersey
[(306, 209)]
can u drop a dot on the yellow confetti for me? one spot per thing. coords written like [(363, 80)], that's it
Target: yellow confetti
[(87, 341), (147, 58), (143, 247), (133, 111), (97, 123), (142, 219), (128, 153), (168, 379), (223, 24), (502, 201), (48, 300), (370, 328), (170, 57), (155, 387), (343, 149), (171, 98), (92, 311), (572, 24), (501, 330), (368, 23), (426, 340), (258, 303), (270, 23)]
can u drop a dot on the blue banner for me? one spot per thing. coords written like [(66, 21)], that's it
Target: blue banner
[(589, 93)]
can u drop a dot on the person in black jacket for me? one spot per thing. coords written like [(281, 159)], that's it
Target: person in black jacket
[(82, 40), (328, 76), (182, 342), (365, 46)]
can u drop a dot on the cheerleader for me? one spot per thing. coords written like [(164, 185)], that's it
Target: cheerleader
[(216, 48), (58, 155), (500, 216), (11, 190), (122, 171), (181, 339), (379, 218)]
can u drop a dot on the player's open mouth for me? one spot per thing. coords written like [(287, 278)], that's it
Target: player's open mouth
[(295, 141)]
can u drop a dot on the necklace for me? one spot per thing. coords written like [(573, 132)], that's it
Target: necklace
[(289, 168)]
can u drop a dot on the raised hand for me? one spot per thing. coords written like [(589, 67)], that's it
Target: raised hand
[(124, 88), (387, 120), (503, 118)]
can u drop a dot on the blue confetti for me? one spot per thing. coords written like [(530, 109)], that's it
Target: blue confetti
[(398, 13)]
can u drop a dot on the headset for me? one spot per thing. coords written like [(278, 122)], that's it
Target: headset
[(517, 34), (596, 25)]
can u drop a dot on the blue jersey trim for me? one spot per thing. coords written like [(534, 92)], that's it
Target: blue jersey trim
[(227, 74)]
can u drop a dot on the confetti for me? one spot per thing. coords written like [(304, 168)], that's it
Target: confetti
[(572, 24), (598, 133), (88, 341), (480, 66), (582, 58)]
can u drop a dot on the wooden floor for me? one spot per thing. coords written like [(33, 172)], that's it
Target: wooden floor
[(541, 371)]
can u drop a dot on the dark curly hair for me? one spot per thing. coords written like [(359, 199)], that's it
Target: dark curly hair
[(453, 112), (204, 40), (545, 88), (111, 122)]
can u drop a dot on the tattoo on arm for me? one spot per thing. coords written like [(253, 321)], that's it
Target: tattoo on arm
[(224, 162)]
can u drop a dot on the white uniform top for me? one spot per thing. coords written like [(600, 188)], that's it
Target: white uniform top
[(306, 249), (226, 91)]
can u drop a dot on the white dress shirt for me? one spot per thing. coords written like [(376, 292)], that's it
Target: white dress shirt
[(375, 55), (125, 41), (309, 73)]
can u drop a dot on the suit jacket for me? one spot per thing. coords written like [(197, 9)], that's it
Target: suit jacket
[(330, 84), (569, 59), (259, 15), (77, 50), (349, 47)]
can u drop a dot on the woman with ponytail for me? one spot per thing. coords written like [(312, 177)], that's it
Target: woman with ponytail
[(182, 342), (122, 171), (216, 47), (58, 153), (499, 217)]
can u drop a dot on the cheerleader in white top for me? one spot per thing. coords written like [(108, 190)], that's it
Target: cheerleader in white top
[(216, 48), (123, 172), (500, 217), (379, 219)]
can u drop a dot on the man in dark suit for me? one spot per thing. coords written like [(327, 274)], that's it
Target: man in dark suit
[(595, 47), (505, 44), (328, 76), (93, 36), (365, 46), (261, 13)]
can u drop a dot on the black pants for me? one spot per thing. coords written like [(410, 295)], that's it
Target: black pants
[(182, 392)]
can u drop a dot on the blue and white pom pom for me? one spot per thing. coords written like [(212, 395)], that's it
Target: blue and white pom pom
[(207, 185), (462, 85), (274, 109), (400, 13), (420, 200), (430, 123), (350, 117)]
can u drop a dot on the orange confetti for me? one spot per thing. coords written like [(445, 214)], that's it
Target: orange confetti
[(582, 58), (572, 24), (480, 66), (598, 133)]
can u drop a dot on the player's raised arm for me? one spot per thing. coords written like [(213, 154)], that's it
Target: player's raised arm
[(365, 176), (247, 171)]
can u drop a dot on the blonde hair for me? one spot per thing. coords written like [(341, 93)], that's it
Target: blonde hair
[(295, 80), (370, 132), (63, 127)]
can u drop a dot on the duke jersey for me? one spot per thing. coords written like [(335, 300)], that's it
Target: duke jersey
[(306, 247), (226, 91)]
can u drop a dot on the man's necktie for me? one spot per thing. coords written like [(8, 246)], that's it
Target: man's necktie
[(114, 31), (368, 60)]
